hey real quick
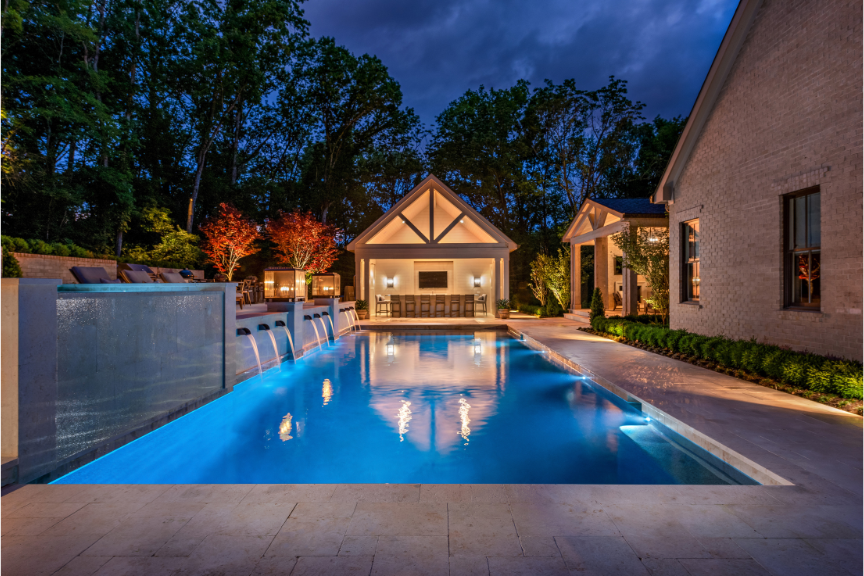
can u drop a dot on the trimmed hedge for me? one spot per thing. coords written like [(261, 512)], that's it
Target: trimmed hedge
[(59, 249), (802, 370)]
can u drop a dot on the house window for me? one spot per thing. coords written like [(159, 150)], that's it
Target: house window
[(691, 268), (803, 255)]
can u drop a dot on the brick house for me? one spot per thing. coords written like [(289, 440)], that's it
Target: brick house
[(764, 188)]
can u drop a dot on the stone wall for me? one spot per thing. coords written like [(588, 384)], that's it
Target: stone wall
[(44, 266), (789, 117)]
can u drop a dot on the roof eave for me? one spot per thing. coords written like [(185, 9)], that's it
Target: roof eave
[(708, 94)]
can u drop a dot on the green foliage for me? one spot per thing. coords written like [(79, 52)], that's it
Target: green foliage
[(802, 370), (503, 304), (11, 268), (361, 305), (646, 252), (597, 307), (530, 309)]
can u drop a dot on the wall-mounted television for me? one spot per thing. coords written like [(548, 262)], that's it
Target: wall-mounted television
[(433, 279)]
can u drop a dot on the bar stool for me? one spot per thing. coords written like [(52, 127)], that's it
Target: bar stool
[(481, 302), (395, 306), (469, 305), (440, 305), (410, 306), (425, 306), (454, 305), (382, 304)]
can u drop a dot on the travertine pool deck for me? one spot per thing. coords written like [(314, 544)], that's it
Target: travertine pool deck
[(810, 528)]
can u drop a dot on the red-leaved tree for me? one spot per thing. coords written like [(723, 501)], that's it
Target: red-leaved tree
[(303, 242), (228, 237)]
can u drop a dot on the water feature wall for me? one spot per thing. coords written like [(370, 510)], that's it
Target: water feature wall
[(124, 359), (267, 327)]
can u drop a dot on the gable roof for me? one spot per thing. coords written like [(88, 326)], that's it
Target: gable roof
[(432, 214), (613, 215), (708, 94), (632, 207)]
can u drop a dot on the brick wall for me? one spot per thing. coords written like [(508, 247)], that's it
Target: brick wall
[(42, 266), (789, 117)]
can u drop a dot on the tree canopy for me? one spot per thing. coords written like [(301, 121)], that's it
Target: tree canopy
[(124, 118)]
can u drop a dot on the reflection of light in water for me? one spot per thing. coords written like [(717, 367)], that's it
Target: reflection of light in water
[(463, 415), (404, 418), (327, 391), (285, 428)]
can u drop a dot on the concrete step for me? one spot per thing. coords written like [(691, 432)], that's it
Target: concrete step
[(577, 317)]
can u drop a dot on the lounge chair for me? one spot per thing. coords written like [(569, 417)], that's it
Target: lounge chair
[(136, 277), (136, 268), (173, 278), (92, 275)]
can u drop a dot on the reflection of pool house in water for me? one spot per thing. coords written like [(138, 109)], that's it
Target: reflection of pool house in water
[(595, 223), (432, 254)]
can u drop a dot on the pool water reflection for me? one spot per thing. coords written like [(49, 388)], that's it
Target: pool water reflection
[(403, 408)]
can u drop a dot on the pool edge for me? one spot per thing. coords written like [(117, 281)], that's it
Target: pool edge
[(743, 464)]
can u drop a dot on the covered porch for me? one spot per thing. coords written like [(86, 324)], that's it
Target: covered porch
[(624, 292)]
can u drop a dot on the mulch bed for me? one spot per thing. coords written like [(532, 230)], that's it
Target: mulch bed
[(845, 404)]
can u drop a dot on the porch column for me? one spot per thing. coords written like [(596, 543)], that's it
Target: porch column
[(575, 276), (629, 304), (494, 303), (506, 289), (364, 266), (601, 269)]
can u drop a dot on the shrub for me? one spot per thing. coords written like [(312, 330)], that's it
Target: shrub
[(597, 308), (361, 305), (11, 268), (811, 371), (529, 309)]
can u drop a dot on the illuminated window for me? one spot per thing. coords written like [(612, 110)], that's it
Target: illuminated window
[(691, 267), (803, 259)]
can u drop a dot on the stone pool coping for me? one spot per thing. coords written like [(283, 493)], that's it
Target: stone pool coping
[(812, 527)]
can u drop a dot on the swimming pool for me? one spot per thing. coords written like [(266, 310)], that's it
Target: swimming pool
[(412, 408)]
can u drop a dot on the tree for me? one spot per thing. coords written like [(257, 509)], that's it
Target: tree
[(228, 237), (597, 307), (303, 242), (538, 278), (646, 252)]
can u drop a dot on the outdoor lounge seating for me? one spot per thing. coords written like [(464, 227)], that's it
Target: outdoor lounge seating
[(92, 275), (173, 278), (136, 277)]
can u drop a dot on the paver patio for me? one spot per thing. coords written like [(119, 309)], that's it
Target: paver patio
[(812, 527)]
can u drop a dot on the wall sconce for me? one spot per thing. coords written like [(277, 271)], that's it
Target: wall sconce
[(388, 282), (476, 282)]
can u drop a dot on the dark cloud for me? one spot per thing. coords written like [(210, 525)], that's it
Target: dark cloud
[(438, 49)]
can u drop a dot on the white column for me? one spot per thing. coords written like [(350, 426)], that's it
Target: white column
[(575, 276), (497, 280), (601, 270), (506, 279), (628, 301)]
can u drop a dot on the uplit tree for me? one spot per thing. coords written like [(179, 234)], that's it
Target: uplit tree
[(303, 242), (228, 237)]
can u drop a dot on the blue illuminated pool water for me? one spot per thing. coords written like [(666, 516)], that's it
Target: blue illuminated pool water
[(401, 408)]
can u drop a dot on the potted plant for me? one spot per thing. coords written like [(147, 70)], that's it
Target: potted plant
[(504, 308), (362, 309)]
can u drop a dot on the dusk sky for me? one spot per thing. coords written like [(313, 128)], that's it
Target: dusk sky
[(438, 49)]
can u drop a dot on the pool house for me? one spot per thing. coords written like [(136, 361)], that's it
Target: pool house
[(432, 255)]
